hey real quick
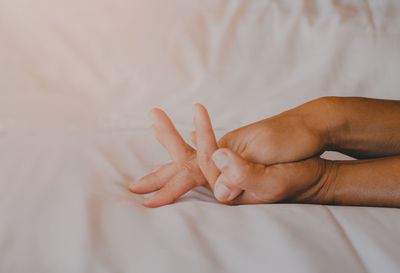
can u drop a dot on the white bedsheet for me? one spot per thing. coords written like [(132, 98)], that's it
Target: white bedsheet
[(76, 81)]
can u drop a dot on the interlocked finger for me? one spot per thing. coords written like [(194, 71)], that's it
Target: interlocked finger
[(165, 132), (175, 188), (155, 180), (206, 143)]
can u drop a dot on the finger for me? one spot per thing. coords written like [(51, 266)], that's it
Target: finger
[(165, 132), (261, 184), (193, 138), (205, 137), (224, 193), (206, 143), (237, 172), (154, 180), (178, 186), (300, 181)]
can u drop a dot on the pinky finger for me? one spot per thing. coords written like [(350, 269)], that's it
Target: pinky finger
[(155, 180)]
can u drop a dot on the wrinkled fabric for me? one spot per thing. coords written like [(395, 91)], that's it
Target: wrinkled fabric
[(77, 79)]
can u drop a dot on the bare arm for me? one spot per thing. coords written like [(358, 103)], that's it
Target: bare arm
[(277, 159), (362, 127), (374, 182)]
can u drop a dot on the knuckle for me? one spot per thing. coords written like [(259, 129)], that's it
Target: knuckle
[(186, 167), (223, 142), (202, 155), (203, 158), (188, 153), (189, 171), (227, 140)]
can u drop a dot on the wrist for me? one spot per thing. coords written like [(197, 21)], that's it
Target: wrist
[(323, 190), (327, 184), (325, 118), (366, 182)]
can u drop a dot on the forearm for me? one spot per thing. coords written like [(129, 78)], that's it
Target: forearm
[(364, 128), (374, 182)]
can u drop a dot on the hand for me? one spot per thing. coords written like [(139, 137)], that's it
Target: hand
[(326, 123), (244, 182), (344, 125), (173, 179), (308, 181), (293, 135), (176, 178)]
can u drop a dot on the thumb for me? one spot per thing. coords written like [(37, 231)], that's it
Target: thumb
[(237, 174)]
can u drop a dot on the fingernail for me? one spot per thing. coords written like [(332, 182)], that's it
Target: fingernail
[(221, 192), (221, 159)]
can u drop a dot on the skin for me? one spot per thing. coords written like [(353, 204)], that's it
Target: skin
[(277, 159)]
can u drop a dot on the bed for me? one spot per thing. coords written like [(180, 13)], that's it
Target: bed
[(77, 79)]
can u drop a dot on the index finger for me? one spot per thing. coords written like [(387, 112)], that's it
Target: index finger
[(206, 143), (166, 133)]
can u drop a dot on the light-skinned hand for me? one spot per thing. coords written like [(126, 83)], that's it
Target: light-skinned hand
[(189, 169)]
